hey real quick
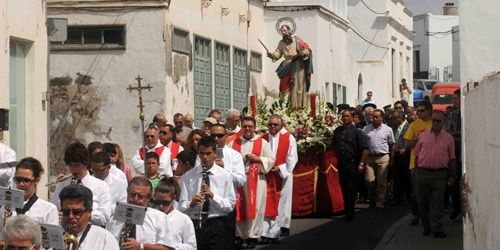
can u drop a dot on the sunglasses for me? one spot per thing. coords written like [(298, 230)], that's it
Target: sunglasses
[(217, 135), (19, 179), (163, 203), (164, 132), (75, 212), (9, 247), (272, 124)]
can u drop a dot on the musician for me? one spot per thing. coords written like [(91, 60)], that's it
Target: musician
[(232, 161), (279, 181), (207, 196), (113, 155), (6, 155), (153, 144), (76, 209), (101, 169), (154, 233), (180, 224), (77, 159), (22, 232), (259, 159)]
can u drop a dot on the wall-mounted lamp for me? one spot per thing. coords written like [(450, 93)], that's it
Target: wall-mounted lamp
[(246, 17), (224, 11)]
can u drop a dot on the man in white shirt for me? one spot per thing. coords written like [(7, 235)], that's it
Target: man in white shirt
[(110, 149), (232, 161), (259, 160), (77, 159), (153, 144), (7, 155), (279, 180), (207, 196), (101, 169), (154, 233), (76, 209), (168, 139), (180, 224)]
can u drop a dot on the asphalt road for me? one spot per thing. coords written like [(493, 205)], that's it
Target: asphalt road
[(364, 232)]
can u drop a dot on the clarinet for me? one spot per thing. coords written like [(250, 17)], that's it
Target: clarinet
[(125, 233), (204, 175)]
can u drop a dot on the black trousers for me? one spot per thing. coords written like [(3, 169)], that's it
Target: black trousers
[(231, 229), (348, 183), (212, 235), (401, 175)]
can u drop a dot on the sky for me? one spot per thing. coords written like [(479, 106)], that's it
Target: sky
[(435, 7)]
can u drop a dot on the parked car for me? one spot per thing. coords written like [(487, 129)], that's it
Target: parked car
[(424, 86), (442, 95)]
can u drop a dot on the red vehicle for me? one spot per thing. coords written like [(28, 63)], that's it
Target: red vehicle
[(442, 95)]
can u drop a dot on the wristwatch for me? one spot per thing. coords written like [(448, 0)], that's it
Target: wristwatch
[(141, 247)]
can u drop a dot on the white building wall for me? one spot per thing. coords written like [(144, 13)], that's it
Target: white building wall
[(24, 21), (479, 55)]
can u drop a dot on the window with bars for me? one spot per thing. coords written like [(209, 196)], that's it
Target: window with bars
[(180, 41), (256, 62), (93, 38)]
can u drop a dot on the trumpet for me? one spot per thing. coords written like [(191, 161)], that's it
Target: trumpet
[(60, 180)]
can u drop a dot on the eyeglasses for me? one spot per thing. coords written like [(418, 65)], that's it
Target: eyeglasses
[(19, 179), (9, 247), (217, 135), (247, 126), (150, 136), (272, 124), (164, 132), (421, 110), (437, 121), (163, 203), (399, 107), (138, 196), (75, 212), (100, 171)]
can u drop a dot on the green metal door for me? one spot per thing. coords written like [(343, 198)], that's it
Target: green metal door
[(222, 78), (202, 79), (240, 79)]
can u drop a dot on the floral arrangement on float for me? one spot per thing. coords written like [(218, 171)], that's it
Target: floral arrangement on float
[(312, 126)]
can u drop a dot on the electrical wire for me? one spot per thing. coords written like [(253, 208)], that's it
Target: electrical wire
[(378, 13)]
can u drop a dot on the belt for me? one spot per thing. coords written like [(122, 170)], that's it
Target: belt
[(432, 169), (378, 154)]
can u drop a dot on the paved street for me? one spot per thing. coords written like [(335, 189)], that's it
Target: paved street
[(371, 229)]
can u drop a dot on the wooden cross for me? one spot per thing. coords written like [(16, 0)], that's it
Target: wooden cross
[(139, 89)]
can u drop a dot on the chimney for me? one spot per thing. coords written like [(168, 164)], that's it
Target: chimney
[(449, 9)]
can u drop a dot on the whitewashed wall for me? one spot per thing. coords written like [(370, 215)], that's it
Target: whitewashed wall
[(24, 21)]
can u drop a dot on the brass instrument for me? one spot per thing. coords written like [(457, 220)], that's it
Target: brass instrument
[(70, 240), (60, 180), (6, 215)]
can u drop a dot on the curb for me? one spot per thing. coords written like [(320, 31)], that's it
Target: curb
[(389, 234)]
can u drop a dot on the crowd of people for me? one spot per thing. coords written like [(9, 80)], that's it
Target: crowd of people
[(222, 186)]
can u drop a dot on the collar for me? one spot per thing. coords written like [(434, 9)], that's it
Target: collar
[(158, 144), (234, 131), (215, 169), (438, 133), (253, 138), (402, 125), (86, 179)]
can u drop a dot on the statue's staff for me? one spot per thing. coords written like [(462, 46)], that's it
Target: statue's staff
[(139, 89)]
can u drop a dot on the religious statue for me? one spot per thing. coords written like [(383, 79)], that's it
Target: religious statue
[(296, 68)]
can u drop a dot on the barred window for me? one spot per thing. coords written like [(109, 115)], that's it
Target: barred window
[(256, 62), (180, 41), (95, 37)]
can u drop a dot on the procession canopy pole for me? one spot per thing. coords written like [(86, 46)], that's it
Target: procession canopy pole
[(139, 89)]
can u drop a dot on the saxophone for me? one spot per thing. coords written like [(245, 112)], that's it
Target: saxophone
[(6, 215), (70, 239)]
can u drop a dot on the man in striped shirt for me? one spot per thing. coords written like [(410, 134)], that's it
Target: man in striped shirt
[(435, 163)]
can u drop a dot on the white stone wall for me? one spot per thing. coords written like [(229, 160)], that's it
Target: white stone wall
[(24, 21), (479, 55)]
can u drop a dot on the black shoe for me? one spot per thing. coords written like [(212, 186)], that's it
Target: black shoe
[(439, 234), (349, 217), (264, 240), (414, 222), (285, 232), (239, 243), (426, 232), (251, 243), (454, 215), (274, 241)]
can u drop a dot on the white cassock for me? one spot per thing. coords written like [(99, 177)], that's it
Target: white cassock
[(118, 189), (271, 228), (174, 160), (154, 230), (97, 238), (253, 228), (101, 198), (41, 211), (6, 174), (165, 163), (182, 230)]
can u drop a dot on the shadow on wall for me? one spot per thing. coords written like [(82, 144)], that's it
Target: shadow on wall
[(74, 109)]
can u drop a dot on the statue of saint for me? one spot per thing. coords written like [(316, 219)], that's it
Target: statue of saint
[(296, 68)]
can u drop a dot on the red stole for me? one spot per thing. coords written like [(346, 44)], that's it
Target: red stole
[(246, 210), (274, 181), (174, 150), (158, 151)]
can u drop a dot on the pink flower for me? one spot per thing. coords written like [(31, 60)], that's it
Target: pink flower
[(301, 133)]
